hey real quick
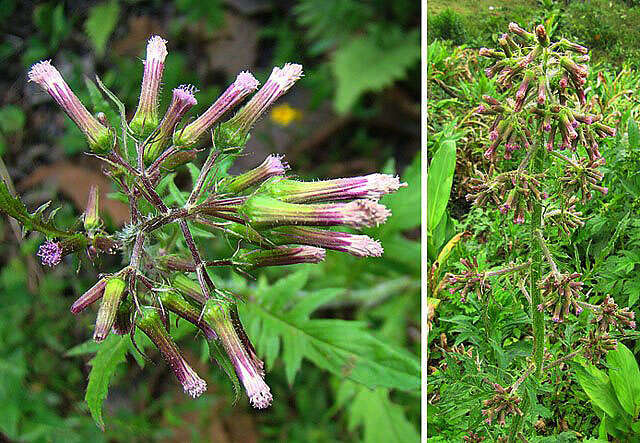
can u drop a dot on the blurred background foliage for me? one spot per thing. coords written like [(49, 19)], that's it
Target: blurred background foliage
[(356, 111), (605, 250)]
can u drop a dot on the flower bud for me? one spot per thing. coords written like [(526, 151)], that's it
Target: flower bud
[(372, 187), (151, 324), (187, 287), (282, 256), (93, 294), (263, 212), (516, 29), (99, 137), (357, 245), (183, 99), (145, 119), (178, 159), (92, 213), (272, 166), (113, 292), (235, 131), (543, 37), (248, 367), (244, 84), (174, 302)]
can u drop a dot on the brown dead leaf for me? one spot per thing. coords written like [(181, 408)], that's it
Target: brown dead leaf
[(139, 30), (74, 182), (234, 46)]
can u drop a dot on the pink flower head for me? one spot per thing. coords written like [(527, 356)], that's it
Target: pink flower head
[(48, 77), (235, 131), (146, 117), (50, 253), (244, 85)]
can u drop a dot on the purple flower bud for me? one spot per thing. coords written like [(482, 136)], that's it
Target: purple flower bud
[(50, 253), (543, 37), (99, 137), (244, 85), (183, 99), (151, 324), (91, 216), (480, 109), (146, 117), (271, 167), (357, 245), (282, 256), (93, 294)]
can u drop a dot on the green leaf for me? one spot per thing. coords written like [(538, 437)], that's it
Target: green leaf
[(12, 119), (625, 378), (382, 420), (37, 221), (344, 348), (110, 354), (634, 134), (364, 64), (439, 180), (100, 24), (599, 389)]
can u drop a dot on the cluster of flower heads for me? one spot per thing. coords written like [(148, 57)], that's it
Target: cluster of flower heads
[(279, 217), (551, 79), (596, 344), (561, 293), (609, 315), (469, 281), (515, 190), (503, 403)]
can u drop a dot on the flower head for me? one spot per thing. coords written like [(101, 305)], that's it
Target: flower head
[(235, 132), (182, 100), (47, 76), (371, 187), (146, 117), (262, 211), (357, 245), (250, 370), (272, 166), (50, 253), (151, 324), (244, 84)]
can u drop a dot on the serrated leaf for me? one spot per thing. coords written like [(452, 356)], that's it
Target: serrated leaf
[(37, 221), (100, 24), (362, 65), (110, 354), (344, 348), (381, 419)]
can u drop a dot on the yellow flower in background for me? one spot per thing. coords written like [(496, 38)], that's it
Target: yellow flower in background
[(284, 114)]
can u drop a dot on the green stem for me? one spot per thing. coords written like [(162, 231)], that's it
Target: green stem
[(536, 275)]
